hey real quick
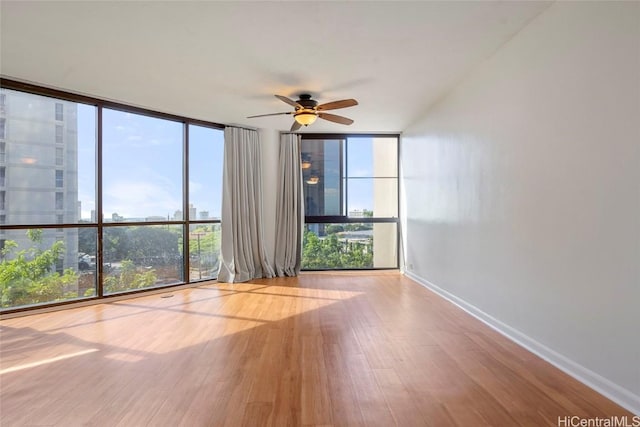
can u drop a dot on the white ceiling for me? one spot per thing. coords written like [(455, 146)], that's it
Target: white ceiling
[(223, 61)]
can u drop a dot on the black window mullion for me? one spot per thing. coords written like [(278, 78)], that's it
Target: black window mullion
[(344, 218), (344, 173), (99, 224), (99, 214), (186, 262)]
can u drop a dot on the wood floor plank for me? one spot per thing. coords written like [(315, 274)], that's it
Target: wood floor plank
[(368, 394), (402, 404), (315, 400), (321, 349), (345, 409)]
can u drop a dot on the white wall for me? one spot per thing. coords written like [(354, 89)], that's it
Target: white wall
[(522, 192)]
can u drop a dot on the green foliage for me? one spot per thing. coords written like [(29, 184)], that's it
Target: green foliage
[(334, 228), (209, 240), (141, 244), (87, 240), (332, 252), (116, 244), (204, 245), (357, 227), (128, 278), (29, 277), (152, 242), (133, 249)]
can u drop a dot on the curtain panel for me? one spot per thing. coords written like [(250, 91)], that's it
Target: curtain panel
[(290, 208), (242, 252)]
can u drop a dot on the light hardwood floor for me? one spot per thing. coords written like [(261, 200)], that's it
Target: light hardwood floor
[(362, 349)]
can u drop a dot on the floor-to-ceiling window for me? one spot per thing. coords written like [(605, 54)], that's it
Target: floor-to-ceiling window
[(350, 187), (99, 198)]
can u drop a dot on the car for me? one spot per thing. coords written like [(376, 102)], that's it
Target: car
[(86, 262)]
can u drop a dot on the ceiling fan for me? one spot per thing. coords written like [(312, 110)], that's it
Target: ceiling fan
[(307, 111)]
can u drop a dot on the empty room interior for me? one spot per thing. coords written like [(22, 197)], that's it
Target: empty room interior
[(329, 213)]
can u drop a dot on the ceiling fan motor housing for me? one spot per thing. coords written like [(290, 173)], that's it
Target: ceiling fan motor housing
[(306, 101), (307, 110)]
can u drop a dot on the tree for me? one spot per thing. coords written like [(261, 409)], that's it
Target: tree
[(332, 252), (312, 251), (116, 244), (29, 277), (87, 240), (128, 278), (145, 244), (334, 228), (204, 246), (152, 244), (209, 239)]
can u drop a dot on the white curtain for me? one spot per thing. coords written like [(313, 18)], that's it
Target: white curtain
[(290, 208), (243, 253)]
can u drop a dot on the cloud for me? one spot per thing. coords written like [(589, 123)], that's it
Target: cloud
[(195, 187), (141, 199), (360, 172)]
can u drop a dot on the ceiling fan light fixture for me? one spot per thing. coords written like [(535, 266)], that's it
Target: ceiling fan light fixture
[(305, 117), (313, 180), (307, 111)]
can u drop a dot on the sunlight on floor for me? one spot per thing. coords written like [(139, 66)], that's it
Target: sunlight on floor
[(46, 361), (261, 305), (207, 313), (124, 357)]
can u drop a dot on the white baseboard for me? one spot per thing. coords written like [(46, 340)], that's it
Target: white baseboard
[(607, 388)]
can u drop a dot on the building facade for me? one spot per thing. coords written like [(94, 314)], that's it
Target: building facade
[(39, 170)]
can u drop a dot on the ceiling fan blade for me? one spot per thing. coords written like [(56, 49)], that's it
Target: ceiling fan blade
[(344, 103), (270, 114), (335, 118), (295, 126), (288, 101)]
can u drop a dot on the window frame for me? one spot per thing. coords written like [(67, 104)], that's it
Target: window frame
[(59, 134), (59, 178), (341, 159), (344, 193), (59, 201), (59, 111), (99, 222), (59, 156)]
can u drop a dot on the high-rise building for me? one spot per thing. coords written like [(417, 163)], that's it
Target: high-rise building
[(39, 169)]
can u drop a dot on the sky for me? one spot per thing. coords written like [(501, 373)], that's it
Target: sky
[(142, 166), (362, 158)]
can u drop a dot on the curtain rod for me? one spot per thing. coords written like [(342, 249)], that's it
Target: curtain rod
[(232, 125)]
